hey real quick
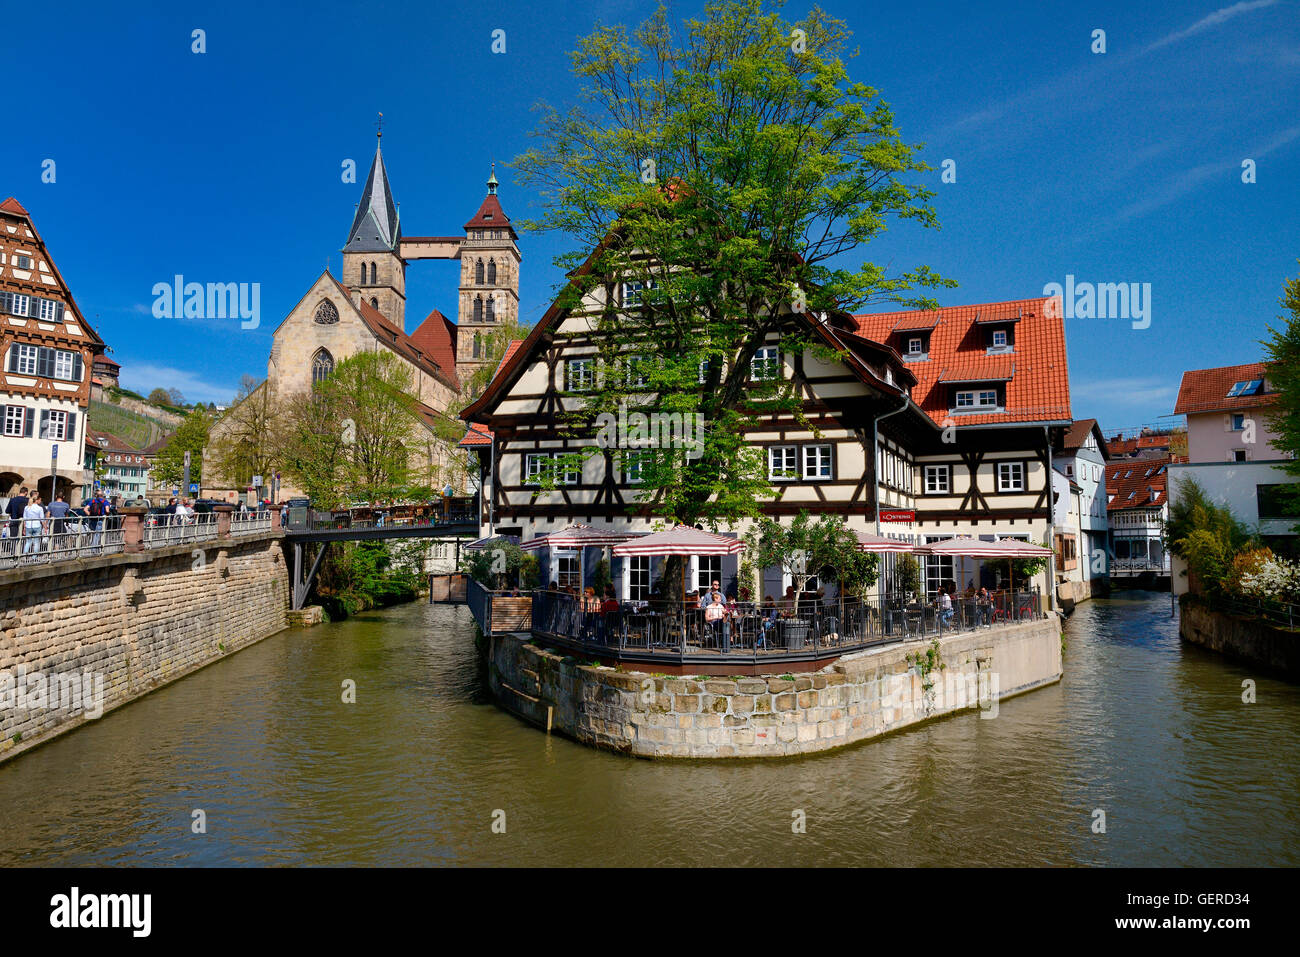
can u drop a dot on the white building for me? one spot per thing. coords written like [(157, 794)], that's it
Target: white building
[(1082, 461)]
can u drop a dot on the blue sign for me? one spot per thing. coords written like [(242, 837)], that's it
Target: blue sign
[(194, 488), (175, 492)]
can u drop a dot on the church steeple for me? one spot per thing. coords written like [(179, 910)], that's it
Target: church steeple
[(375, 227), (373, 268), (489, 280)]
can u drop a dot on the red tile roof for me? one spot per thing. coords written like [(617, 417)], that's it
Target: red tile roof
[(1078, 434), (477, 436), (1206, 390), (12, 205), (1039, 389), (988, 369), (490, 214), (436, 337), (915, 322), (400, 342), (1140, 483)]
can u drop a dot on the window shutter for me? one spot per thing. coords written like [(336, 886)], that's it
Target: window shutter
[(76, 366), (28, 421), (13, 358), (70, 435), (45, 363), (45, 424)]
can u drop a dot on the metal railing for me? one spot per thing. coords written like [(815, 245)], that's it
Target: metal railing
[(61, 540), (1138, 565), (1280, 613), (171, 530), (747, 631), (250, 523)]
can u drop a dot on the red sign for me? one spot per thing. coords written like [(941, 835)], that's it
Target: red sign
[(897, 515)]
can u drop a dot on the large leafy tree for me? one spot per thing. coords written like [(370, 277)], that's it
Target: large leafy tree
[(247, 443), (348, 437), (191, 436), (807, 549), (729, 173), (1283, 355)]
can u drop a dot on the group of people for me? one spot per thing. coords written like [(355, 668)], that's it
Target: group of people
[(32, 521)]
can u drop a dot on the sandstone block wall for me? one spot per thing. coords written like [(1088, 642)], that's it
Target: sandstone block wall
[(130, 623), (858, 697)]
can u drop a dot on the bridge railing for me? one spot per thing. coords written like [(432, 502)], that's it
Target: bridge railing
[(61, 540), (250, 523), (175, 531)]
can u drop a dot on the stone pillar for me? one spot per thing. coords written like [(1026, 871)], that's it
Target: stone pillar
[(132, 527), (223, 519)]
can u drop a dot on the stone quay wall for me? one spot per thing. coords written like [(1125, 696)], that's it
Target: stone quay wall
[(1246, 639), (861, 696), (87, 636)]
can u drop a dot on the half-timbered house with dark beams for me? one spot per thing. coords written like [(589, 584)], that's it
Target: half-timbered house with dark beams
[(927, 425)]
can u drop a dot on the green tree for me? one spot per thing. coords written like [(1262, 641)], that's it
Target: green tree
[(159, 396), (806, 549), (727, 173), (1282, 349), (348, 437), (246, 443), (1206, 535), (192, 437)]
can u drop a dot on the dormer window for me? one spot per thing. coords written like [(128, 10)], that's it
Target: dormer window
[(971, 400), (915, 346), (1245, 387), (999, 339)]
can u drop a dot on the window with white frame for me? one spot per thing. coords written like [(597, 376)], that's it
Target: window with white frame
[(63, 364), (537, 465), (977, 399), (817, 462), (26, 360), (638, 578), (54, 425), (766, 364), (999, 338), (1011, 476), (633, 465), (709, 571), (938, 479), (915, 346), (782, 463), (51, 310), (16, 303), (15, 417), (23, 262), (582, 374), (633, 292), (567, 570)]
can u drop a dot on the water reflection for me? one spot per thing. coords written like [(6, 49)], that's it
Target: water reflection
[(1150, 731)]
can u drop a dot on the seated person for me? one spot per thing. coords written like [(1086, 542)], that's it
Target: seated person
[(610, 603), (715, 615), (768, 620), (945, 606)]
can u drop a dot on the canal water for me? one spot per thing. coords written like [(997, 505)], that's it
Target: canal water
[(1150, 731)]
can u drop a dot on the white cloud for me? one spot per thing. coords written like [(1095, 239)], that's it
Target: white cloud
[(143, 377), (1211, 21), (1129, 390)]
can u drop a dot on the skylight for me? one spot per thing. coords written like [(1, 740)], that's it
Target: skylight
[(1245, 387)]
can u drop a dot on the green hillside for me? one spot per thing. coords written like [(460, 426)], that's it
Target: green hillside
[(132, 428)]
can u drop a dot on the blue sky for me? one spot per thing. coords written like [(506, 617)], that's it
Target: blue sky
[(225, 167)]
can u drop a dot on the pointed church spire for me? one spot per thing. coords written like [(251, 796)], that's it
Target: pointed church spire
[(492, 181), (375, 228)]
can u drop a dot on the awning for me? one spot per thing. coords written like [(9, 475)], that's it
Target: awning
[(493, 540), (680, 540)]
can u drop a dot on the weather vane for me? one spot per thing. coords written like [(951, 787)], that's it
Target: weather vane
[(379, 127)]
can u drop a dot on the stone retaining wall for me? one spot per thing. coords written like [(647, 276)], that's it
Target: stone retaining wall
[(113, 628), (1246, 639), (858, 697)]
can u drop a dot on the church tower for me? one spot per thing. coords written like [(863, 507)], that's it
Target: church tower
[(373, 270), (489, 282)]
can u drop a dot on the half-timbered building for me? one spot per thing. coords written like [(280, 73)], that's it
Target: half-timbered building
[(917, 425)]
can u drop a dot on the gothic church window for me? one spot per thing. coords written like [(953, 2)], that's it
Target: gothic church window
[(492, 272), (491, 310), (478, 272), (322, 364), (478, 308), (478, 345), (374, 301), (326, 313)]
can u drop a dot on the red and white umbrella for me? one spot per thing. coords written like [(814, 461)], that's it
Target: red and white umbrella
[(680, 540), (879, 543), (578, 536), (963, 547)]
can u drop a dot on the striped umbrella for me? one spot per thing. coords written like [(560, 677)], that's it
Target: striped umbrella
[(879, 543), (578, 536), (680, 540)]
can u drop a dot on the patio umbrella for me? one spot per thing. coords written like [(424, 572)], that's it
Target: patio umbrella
[(1007, 548), (578, 536), (867, 542), (684, 541)]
